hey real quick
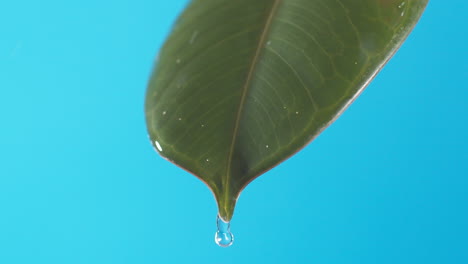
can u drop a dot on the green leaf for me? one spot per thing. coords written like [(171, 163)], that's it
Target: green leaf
[(241, 85)]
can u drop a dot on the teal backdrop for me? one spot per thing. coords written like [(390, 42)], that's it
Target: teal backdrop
[(80, 182)]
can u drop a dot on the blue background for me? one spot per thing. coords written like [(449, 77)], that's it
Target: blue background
[(80, 182)]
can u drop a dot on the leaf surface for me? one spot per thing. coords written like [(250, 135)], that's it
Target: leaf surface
[(241, 85)]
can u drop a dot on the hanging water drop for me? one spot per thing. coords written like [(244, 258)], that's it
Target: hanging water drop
[(223, 237)]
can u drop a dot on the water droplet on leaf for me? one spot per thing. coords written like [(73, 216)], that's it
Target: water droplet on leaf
[(194, 36), (158, 146)]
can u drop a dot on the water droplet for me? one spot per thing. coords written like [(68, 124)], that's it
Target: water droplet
[(178, 61), (355, 62), (267, 146), (202, 125), (268, 43), (164, 113), (158, 146), (207, 160), (194, 36), (180, 118), (297, 113), (223, 237)]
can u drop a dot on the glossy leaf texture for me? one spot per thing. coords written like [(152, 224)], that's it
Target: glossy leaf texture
[(241, 85)]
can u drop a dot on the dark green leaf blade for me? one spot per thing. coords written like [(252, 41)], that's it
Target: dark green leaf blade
[(242, 85)]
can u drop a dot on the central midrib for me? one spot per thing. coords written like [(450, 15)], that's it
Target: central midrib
[(261, 44)]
